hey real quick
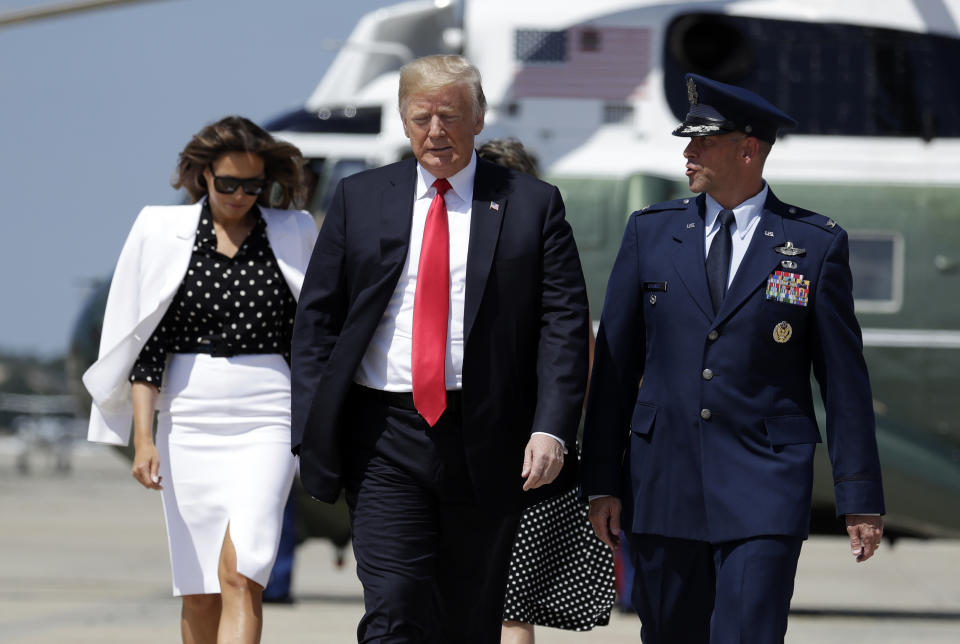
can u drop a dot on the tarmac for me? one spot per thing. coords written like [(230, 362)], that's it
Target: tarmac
[(83, 559)]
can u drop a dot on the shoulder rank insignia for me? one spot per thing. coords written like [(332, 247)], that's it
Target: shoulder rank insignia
[(789, 288), (831, 223), (790, 250)]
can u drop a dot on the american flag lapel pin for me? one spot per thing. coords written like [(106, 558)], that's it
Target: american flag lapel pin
[(494, 206)]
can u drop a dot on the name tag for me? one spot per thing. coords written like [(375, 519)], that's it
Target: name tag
[(654, 286)]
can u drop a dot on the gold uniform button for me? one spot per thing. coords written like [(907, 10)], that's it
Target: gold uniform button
[(707, 374), (706, 414), (713, 335)]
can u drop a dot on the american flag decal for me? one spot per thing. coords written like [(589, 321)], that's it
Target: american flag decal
[(608, 63), (494, 206)]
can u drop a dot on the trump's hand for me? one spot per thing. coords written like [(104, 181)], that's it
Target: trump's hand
[(865, 532), (605, 519), (542, 461)]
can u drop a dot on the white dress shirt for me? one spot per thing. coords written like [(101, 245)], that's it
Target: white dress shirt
[(386, 364), (747, 216)]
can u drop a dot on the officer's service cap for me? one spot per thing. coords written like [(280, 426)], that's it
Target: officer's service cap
[(717, 108)]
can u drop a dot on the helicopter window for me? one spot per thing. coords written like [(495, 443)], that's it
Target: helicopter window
[(536, 46), (876, 261), (617, 113), (590, 40), (849, 80), (348, 119), (322, 176)]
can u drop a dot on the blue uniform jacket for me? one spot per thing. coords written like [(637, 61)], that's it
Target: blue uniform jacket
[(704, 424)]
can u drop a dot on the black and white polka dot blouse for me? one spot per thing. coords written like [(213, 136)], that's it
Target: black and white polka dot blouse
[(225, 306)]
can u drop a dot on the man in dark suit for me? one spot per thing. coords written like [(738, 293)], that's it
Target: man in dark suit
[(436, 387), (701, 413)]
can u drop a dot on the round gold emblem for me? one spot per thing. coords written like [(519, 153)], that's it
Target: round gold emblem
[(782, 332)]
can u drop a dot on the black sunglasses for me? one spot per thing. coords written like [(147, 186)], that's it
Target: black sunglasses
[(229, 185)]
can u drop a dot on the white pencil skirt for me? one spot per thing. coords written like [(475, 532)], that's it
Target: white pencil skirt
[(223, 434)]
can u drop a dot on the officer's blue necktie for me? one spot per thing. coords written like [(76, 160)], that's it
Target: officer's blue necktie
[(718, 259)]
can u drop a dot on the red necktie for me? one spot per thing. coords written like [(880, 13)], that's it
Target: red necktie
[(431, 307)]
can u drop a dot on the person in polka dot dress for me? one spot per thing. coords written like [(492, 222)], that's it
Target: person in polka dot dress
[(197, 328), (561, 574)]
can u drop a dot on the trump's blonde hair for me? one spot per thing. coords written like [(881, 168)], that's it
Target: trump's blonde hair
[(431, 73)]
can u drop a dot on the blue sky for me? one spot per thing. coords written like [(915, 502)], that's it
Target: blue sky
[(95, 108)]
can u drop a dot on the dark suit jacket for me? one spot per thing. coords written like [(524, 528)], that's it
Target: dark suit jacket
[(727, 453), (525, 321)]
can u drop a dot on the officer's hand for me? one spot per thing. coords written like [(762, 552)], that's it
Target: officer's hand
[(605, 518), (542, 461), (865, 534)]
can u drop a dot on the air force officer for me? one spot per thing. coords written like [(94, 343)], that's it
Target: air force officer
[(701, 413)]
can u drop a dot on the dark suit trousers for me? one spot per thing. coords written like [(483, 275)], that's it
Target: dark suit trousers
[(433, 562), (693, 592)]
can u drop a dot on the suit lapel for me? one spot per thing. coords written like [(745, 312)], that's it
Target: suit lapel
[(283, 235), (396, 216), (486, 217), (760, 260), (177, 256), (689, 257)]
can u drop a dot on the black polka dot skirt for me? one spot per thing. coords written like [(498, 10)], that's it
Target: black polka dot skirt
[(561, 574)]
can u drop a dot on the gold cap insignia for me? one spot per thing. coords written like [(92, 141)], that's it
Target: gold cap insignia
[(782, 332)]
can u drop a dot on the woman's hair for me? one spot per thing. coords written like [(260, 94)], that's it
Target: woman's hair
[(431, 73), (510, 153), (282, 161)]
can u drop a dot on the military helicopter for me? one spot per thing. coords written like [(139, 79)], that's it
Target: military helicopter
[(594, 89)]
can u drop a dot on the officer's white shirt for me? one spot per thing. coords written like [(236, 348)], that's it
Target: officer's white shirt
[(747, 216)]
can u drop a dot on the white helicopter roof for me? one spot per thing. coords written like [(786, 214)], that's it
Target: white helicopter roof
[(613, 120)]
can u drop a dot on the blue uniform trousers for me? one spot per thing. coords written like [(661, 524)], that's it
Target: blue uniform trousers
[(694, 592)]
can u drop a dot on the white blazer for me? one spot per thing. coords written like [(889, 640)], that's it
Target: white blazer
[(152, 264)]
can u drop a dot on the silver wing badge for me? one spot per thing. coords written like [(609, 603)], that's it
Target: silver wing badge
[(790, 250)]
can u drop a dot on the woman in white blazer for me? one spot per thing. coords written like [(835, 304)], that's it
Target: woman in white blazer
[(197, 328)]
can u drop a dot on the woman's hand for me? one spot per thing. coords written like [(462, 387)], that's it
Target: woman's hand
[(146, 466), (146, 459)]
